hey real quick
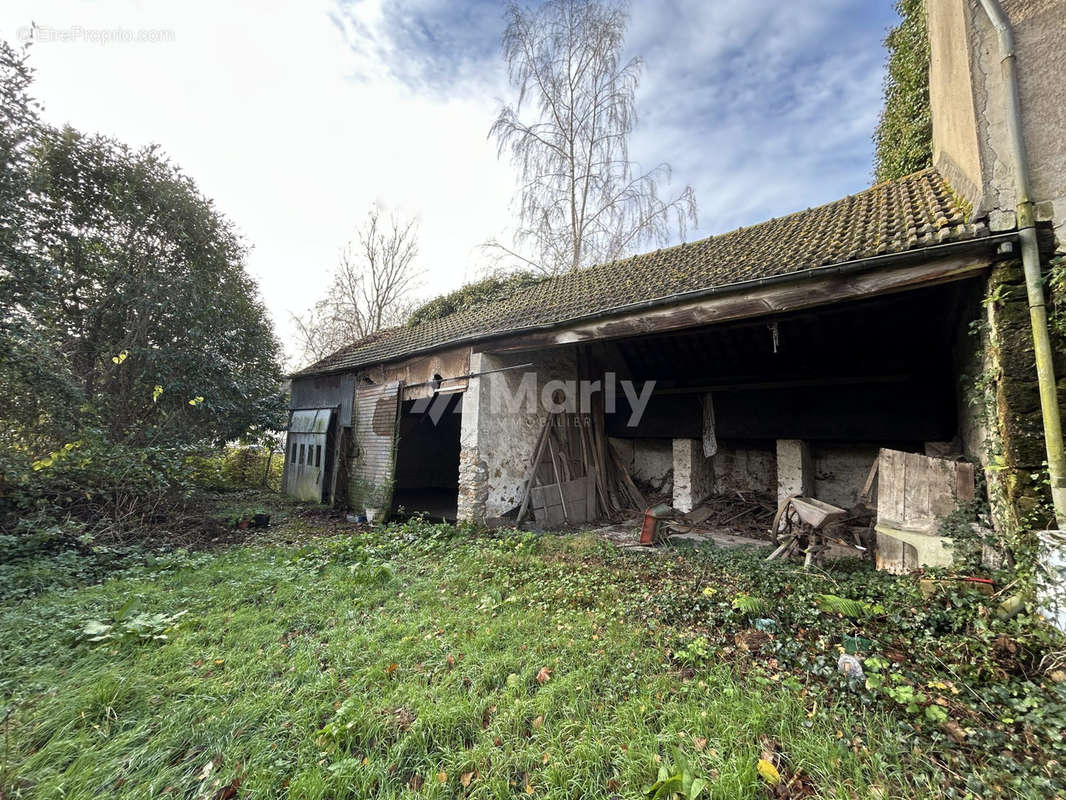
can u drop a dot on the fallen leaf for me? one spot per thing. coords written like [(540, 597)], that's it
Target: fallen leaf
[(391, 668), (465, 778), (544, 675), (700, 742), (415, 784), (538, 722), (451, 660), (442, 777), (955, 731), (768, 772), (544, 759)]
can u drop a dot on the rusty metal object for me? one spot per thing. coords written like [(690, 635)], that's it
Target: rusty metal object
[(653, 518)]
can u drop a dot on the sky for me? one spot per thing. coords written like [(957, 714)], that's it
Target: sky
[(296, 117)]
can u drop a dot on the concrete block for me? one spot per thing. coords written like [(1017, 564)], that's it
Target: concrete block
[(999, 221), (693, 474), (795, 470)]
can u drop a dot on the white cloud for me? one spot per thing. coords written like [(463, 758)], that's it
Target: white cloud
[(290, 130), (295, 117)]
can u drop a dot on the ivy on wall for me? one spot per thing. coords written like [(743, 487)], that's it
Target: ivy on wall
[(904, 135)]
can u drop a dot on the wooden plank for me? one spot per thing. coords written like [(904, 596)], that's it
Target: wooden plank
[(531, 470), (894, 555), (918, 475), (550, 501), (555, 471), (964, 482), (627, 481), (914, 493), (574, 493), (943, 489), (890, 482), (868, 487)]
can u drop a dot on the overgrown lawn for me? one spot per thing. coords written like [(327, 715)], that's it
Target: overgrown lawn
[(425, 661)]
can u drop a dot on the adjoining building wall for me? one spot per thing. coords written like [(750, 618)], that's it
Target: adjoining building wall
[(1000, 422), (500, 427), (1038, 33), (966, 88), (955, 148)]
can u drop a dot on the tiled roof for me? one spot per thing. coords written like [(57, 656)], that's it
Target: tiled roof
[(893, 217)]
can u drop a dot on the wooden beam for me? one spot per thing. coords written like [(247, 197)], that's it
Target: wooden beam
[(755, 302)]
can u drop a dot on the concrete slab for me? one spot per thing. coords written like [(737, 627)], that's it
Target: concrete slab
[(728, 541)]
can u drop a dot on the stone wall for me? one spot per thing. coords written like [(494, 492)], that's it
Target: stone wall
[(500, 427), (745, 468), (1001, 422), (840, 471), (649, 461)]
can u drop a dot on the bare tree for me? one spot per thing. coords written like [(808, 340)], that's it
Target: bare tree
[(371, 288), (580, 202)]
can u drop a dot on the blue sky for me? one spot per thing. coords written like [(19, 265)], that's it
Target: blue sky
[(764, 107), (296, 116)]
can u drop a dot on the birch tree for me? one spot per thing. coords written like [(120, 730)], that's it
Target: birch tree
[(582, 200), (371, 288)]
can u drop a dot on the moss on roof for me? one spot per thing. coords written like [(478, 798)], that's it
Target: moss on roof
[(893, 217)]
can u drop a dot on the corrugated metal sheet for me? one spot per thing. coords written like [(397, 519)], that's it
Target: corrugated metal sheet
[(375, 417), (325, 391), (307, 454), (310, 420)]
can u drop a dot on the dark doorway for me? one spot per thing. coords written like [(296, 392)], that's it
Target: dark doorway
[(427, 458)]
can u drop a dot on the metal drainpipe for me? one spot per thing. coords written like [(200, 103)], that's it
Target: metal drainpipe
[(1034, 283)]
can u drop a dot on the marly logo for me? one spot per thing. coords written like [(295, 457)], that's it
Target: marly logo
[(508, 394)]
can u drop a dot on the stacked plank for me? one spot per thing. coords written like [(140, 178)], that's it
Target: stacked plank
[(575, 475)]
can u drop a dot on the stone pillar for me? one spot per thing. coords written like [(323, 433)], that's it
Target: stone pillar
[(693, 474), (503, 415), (473, 472), (795, 472)]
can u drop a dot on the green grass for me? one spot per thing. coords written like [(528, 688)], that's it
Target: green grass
[(400, 662)]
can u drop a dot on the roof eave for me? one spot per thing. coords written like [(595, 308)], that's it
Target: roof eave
[(869, 263)]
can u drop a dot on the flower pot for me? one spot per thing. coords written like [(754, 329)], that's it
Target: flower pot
[(262, 520)]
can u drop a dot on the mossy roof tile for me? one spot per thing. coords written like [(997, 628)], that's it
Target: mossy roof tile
[(889, 218)]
